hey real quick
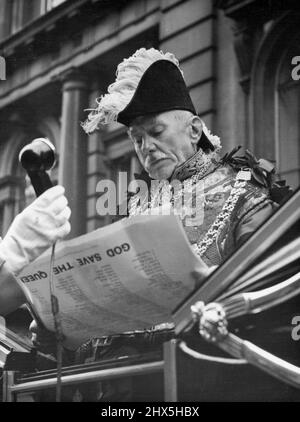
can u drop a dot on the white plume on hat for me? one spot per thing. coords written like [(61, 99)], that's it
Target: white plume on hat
[(120, 93)]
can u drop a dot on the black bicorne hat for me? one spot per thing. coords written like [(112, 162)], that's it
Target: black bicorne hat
[(161, 88)]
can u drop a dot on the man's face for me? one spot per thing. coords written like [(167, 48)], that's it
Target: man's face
[(162, 142)]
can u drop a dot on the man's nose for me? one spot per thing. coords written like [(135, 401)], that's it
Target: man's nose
[(148, 144)]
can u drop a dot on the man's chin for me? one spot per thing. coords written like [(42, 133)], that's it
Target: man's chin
[(163, 171), (165, 175)]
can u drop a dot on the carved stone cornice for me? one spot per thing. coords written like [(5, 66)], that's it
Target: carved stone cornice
[(248, 17), (48, 31), (240, 9), (72, 78), (237, 9)]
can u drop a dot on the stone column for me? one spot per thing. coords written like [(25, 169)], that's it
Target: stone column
[(73, 148), (98, 168)]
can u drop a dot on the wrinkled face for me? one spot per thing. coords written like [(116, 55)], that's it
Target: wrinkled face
[(162, 142)]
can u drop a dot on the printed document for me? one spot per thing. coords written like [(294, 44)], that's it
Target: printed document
[(127, 276)]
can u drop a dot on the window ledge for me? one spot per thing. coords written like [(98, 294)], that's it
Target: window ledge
[(52, 22)]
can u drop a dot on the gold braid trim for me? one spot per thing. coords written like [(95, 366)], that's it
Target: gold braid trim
[(237, 190)]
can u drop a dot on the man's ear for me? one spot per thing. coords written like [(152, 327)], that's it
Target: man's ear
[(195, 127)]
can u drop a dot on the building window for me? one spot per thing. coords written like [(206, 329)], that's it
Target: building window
[(276, 100), (287, 121), (15, 11), (123, 165), (22, 12)]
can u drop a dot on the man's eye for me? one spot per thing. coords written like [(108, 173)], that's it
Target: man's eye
[(157, 133), (138, 140)]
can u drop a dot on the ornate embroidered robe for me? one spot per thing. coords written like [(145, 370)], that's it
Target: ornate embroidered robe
[(218, 210)]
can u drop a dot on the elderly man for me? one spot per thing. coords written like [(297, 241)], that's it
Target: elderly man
[(150, 97), (177, 151), (174, 146)]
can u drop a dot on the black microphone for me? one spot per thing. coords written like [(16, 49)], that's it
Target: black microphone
[(36, 158)]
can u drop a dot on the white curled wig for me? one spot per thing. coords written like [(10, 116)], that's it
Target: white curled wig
[(120, 93)]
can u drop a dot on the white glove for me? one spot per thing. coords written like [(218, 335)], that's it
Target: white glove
[(35, 229)]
